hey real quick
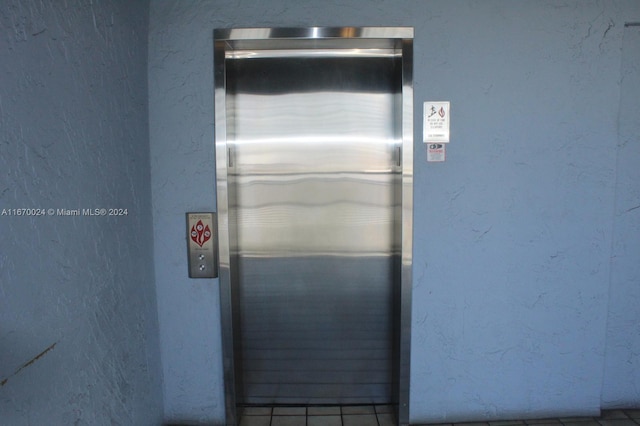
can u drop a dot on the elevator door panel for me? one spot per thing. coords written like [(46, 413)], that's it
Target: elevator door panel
[(314, 209)]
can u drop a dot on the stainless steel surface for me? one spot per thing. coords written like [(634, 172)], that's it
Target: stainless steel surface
[(202, 245), (314, 172)]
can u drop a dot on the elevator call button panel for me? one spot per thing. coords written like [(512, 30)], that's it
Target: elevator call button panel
[(202, 245)]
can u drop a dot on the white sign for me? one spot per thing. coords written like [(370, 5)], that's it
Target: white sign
[(436, 122), (436, 152)]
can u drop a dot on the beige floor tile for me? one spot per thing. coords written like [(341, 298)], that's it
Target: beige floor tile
[(324, 421), (288, 421), (324, 411), (359, 420), (255, 420), (358, 409)]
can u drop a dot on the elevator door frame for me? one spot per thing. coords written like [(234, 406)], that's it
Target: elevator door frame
[(235, 43)]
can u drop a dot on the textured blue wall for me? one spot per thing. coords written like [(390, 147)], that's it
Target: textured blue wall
[(78, 319), (621, 386), (513, 234)]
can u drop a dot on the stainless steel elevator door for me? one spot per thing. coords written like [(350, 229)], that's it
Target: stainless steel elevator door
[(314, 180)]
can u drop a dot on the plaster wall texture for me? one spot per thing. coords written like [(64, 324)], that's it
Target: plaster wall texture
[(513, 234), (78, 319), (621, 386)]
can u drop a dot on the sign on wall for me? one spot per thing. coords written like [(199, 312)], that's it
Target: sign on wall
[(436, 152), (436, 122)]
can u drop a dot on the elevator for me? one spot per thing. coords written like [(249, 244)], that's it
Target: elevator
[(314, 168)]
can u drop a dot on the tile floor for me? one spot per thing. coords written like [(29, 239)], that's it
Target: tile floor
[(382, 415), (362, 415)]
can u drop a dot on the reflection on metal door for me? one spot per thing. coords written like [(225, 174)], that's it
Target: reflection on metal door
[(314, 169)]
